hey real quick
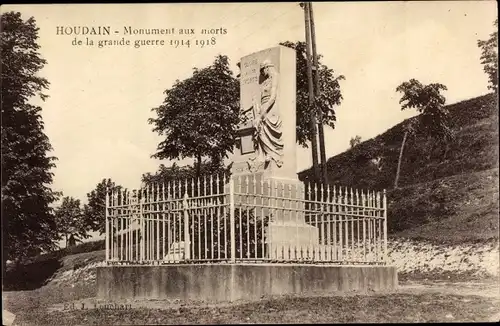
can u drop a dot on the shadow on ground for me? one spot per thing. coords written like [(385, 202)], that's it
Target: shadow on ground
[(31, 276)]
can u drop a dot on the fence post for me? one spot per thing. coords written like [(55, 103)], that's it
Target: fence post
[(106, 213), (231, 219), (385, 226), (186, 226), (141, 223)]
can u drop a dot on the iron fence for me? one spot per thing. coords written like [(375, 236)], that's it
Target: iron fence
[(222, 219)]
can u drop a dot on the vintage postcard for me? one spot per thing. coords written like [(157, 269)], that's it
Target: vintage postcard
[(209, 163)]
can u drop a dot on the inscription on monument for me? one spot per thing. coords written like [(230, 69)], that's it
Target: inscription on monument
[(250, 72), (247, 144)]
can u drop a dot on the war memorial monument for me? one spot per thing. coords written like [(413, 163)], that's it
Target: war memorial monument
[(260, 231)]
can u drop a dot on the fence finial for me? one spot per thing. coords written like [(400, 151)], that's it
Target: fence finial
[(217, 182), (107, 196), (211, 185), (204, 191)]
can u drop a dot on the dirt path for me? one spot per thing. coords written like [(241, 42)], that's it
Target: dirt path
[(483, 289), (488, 290)]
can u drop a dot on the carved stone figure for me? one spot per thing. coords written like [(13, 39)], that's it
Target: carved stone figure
[(267, 136)]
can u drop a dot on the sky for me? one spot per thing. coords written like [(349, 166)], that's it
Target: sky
[(101, 98)]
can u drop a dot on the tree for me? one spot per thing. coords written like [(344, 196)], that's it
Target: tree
[(329, 93), (355, 141), (70, 221), (175, 172), (199, 115), (433, 118), (27, 218), (489, 57), (94, 212)]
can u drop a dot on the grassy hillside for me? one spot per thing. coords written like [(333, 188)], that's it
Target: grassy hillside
[(34, 272), (454, 191), (451, 210)]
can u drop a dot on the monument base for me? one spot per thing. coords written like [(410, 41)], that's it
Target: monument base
[(287, 232), (230, 282), (292, 240)]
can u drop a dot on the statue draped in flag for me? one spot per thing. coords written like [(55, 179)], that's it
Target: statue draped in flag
[(267, 122)]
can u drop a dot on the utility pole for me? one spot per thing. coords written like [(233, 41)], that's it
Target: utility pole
[(324, 174), (313, 123)]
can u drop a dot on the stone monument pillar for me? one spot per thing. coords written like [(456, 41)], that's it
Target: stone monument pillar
[(267, 82), (267, 142)]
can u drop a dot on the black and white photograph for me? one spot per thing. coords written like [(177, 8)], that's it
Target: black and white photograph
[(250, 163)]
